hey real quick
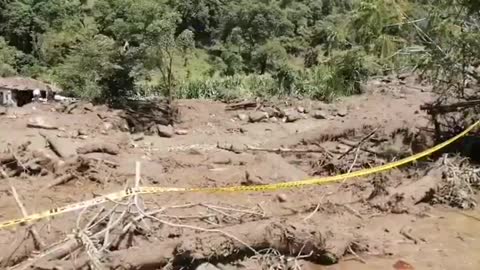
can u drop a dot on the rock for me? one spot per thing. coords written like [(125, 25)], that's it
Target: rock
[(282, 197), (152, 130), (274, 119), (81, 132), (107, 126), (59, 107), (342, 112), (165, 131), (292, 117), (319, 114), (231, 267), (257, 116), (181, 131), (251, 180), (271, 112), (301, 109), (138, 137), (402, 265), (328, 258), (403, 76), (40, 122), (207, 266), (221, 160), (3, 110), (242, 116)]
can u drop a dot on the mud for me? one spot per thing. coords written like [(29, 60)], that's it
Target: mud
[(378, 220)]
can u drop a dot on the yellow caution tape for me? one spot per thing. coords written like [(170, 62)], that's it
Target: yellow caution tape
[(269, 187)]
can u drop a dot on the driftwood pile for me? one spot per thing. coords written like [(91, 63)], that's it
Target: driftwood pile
[(150, 117), (19, 161)]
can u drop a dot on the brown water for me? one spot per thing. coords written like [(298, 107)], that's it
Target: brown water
[(452, 242)]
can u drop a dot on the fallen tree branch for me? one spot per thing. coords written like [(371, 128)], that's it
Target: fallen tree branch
[(62, 179), (437, 108), (368, 150), (229, 147), (109, 163), (33, 125), (39, 244), (359, 143), (215, 243), (408, 235), (241, 105), (284, 150)]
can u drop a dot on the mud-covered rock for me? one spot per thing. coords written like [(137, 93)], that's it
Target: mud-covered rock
[(165, 131), (301, 109), (292, 116), (318, 114), (342, 112), (207, 266), (181, 131), (242, 116), (257, 116)]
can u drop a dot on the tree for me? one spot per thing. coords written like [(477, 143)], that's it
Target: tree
[(86, 70), (8, 58), (269, 57)]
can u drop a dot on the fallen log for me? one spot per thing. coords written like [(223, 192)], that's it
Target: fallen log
[(230, 147), (284, 150), (99, 148), (62, 179), (306, 239), (54, 145), (241, 105), (436, 109)]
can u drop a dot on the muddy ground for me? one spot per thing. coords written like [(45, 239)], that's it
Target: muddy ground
[(414, 217)]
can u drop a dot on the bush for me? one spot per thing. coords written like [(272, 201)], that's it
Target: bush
[(228, 87), (339, 76)]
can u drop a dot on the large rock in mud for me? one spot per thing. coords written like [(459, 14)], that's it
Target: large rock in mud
[(165, 131)]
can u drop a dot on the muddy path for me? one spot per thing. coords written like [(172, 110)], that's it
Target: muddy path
[(56, 154)]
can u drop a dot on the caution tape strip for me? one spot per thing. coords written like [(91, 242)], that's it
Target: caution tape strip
[(258, 188)]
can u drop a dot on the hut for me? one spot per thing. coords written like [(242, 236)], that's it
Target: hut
[(18, 91)]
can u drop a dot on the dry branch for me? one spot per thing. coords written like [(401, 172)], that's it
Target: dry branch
[(359, 143), (41, 126), (229, 147), (39, 244), (368, 150), (284, 150), (436, 109)]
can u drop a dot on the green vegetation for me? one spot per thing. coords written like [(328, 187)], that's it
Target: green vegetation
[(109, 49)]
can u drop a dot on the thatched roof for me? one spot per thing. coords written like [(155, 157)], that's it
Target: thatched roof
[(26, 84)]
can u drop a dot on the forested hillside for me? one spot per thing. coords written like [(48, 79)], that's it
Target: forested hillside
[(103, 49)]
